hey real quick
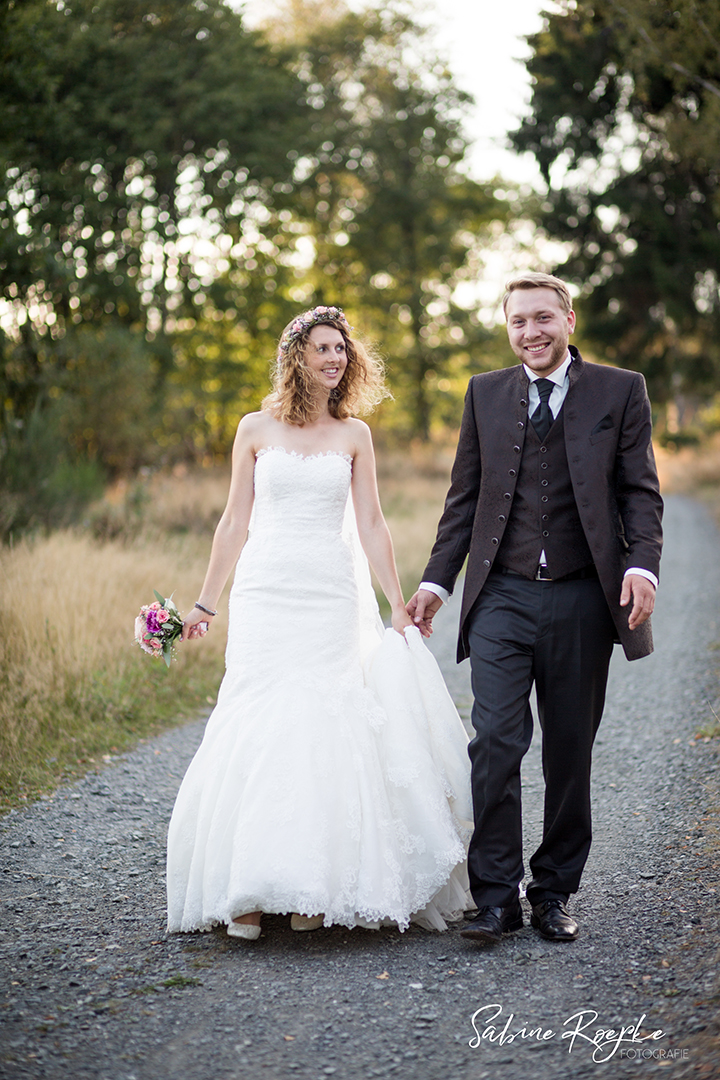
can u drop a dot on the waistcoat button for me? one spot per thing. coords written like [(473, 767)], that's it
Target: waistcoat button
[(516, 449), (512, 473), (520, 424), (507, 495), (486, 562), (545, 532), (544, 498), (523, 402), (544, 483), (543, 449), (495, 541), (543, 465), (501, 518)]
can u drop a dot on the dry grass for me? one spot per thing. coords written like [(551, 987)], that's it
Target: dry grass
[(184, 501), (693, 471), (74, 687), (413, 487)]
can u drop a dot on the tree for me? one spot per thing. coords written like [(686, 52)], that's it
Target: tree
[(624, 124), (392, 215), (122, 132), (135, 141)]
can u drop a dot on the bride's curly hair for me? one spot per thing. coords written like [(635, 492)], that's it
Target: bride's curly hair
[(293, 399)]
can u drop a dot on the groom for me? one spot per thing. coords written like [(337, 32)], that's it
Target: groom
[(555, 502)]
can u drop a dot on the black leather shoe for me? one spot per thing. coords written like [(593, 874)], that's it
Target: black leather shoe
[(488, 927), (551, 918)]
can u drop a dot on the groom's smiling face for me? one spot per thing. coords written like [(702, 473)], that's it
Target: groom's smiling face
[(538, 328)]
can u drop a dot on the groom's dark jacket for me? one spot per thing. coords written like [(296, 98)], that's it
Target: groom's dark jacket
[(607, 442)]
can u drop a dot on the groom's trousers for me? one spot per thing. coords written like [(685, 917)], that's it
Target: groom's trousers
[(558, 635)]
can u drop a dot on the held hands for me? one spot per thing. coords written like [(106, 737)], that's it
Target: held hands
[(421, 608), (400, 620), (195, 625), (642, 593)]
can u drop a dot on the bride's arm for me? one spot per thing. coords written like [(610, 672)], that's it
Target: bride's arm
[(372, 528), (232, 528)]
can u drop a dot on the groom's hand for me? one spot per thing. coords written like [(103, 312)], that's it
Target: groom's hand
[(642, 593), (421, 608)]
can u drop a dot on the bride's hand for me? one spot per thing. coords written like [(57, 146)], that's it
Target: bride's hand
[(401, 620), (195, 625)]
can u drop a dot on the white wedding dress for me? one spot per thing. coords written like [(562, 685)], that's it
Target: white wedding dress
[(333, 775)]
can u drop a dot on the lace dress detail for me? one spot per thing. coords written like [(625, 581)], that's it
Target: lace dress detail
[(333, 775)]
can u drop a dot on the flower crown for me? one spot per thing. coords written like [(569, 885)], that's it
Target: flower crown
[(308, 319)]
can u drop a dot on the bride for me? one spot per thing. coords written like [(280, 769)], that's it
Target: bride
[(332, 782)]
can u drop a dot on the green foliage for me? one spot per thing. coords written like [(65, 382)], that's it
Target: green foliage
[(42, 484), (625, 125), (121, 126), (93, 416), (122, 134), (393, 218), (174, 187)]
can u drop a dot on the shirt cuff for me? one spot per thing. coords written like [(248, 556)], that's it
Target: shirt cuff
[(642, 573), (437, 589)]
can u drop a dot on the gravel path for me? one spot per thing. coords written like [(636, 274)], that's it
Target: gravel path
[(93, 988)]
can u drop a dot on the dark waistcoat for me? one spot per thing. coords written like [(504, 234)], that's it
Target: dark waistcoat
[(544, 514)]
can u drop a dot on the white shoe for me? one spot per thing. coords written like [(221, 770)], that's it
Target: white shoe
[(306, 922), (249, 931)]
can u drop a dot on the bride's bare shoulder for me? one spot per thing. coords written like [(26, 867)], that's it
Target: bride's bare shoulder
[(359, 433), (256, 424)]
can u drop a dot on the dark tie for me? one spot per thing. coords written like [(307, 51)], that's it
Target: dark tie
[(542, 418)]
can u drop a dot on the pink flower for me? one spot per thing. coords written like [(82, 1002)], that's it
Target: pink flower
[(163, 615)]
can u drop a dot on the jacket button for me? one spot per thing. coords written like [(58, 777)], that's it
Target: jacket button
[(495, 541), (507, 495), (544, 483), (516, 449), (512, 473), (520, 424), (501, 518), (545, 532), (486, 562)]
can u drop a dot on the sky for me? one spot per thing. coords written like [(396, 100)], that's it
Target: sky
[(483, 41)]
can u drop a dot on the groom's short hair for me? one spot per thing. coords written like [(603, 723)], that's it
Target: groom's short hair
[(533, 279)]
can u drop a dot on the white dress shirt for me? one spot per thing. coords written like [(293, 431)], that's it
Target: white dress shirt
[(559, 392)]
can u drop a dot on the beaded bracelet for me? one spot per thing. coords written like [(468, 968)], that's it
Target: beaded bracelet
[(205, 609)]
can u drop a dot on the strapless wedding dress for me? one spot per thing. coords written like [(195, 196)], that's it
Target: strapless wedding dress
[(333, 775)]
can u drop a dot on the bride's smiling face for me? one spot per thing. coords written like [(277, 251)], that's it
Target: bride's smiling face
[(326, 356)]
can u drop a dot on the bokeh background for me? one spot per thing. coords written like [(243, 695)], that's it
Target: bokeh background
[(178, 178)]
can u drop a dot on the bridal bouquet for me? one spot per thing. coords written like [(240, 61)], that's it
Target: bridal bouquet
[(158, 626)]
